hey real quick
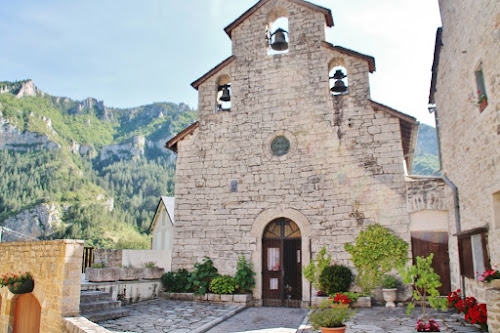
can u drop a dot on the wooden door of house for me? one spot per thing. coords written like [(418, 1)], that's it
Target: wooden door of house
[(281, 264), (424, 243), (27, 314)]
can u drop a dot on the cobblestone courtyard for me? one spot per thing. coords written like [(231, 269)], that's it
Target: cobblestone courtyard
[(181, 317)]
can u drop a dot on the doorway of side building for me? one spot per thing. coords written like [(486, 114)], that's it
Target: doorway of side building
[(27, 313), (423, 243), (282, 264)]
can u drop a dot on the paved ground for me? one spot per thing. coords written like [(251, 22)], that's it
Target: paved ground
[(263, 319), (181, 317)]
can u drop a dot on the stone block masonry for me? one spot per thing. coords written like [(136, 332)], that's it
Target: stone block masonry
[(56, 269)]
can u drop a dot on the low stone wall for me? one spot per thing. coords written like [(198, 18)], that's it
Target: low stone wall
[(243, 299), (493, 307), (128, 292), (56, 269), (131, 258), (82, 325)]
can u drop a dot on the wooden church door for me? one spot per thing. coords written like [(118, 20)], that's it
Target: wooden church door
[(27, 314), (282, 264)]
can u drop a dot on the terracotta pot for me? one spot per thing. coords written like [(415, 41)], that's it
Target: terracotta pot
[(333, 329), (23, 288)]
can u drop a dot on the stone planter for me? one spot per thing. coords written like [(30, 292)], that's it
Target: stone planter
[(362, 302), (106, 274), (153, 273), (390, 296), (495, 284), (130, 274)]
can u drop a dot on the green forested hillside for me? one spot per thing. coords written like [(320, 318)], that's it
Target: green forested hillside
[(426, 160), (105, 168)]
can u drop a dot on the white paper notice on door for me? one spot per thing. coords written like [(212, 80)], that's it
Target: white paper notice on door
[(273, 284), (273, 259)]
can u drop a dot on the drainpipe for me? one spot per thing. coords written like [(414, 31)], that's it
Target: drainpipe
[(456, 202)]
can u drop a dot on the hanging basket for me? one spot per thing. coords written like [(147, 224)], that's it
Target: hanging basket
[(22, 288)]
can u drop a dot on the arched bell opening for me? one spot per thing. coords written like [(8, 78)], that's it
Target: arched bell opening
[(282, 264), (277, 31), (223, 93), (339, 83)]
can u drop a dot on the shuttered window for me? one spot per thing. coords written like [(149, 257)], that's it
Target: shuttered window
[(473, 252)]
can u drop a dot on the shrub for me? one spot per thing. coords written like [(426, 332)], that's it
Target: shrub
[(150, 264), (176, 281), (335, 279), (223, 285), (244, 277), (330, 315), (202, 275), (376, 251), (389, 282), (313, 271)]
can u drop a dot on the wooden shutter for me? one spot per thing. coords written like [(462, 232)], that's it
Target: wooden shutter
[(465, 254)]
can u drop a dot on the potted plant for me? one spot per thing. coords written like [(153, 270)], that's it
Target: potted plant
[(389, 290), (492, 276), (330, 316), (18, 283), (425, 283), (376, 252), (313, 271)]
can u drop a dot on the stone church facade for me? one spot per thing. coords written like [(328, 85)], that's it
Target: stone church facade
[(465, 97), (288, 167)]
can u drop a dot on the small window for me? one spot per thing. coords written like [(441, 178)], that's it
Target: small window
[(277, 31), (473, 253), (482, 98)]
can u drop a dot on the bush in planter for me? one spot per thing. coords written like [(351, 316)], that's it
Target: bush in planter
[(376, 251), (202, 275), (389, 282), (335, 278), (330, 315), (313, 271), (244, 278), (223, 285), (176, 282)]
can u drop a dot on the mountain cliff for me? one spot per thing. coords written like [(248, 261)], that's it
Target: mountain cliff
[(100, 170)]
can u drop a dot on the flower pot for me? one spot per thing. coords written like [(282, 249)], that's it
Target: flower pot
[(495, 283), (390, 296), (22, 288), (333, 329)]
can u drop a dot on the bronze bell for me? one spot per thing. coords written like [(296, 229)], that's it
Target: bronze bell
[(338, 75), (339, 87), (280, 43), (226, 96)]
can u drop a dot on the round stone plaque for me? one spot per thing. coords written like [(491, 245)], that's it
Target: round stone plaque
[(280, 146)]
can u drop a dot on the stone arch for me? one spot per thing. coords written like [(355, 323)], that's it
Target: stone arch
[(277, 19), (257, 231)]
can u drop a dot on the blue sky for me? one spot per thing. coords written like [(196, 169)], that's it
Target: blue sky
[(130, 53)]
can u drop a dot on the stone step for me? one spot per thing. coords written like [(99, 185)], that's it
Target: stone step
[(88, 296), (90, 307), (97, 317)]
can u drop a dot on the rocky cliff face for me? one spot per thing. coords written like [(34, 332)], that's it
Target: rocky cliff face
[(132, 149), (38, 222), (13, 139)]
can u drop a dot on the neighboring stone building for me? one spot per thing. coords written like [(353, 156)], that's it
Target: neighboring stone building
[(465, 96), (162, 229), (278, 164)]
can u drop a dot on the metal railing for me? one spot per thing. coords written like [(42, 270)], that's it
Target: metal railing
[(88, 258)]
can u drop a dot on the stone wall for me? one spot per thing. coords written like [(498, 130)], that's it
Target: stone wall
[(56, 269), (493, 306), (135, 258), (344, 170), (470, 138)]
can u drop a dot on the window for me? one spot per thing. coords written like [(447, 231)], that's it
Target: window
[(277, 31), (482, 98), (473, 252)]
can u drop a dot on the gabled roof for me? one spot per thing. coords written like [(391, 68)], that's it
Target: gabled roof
[(172, 143), (258, 5), (369, 59), (169, 204), (409, 131), (212, 72)]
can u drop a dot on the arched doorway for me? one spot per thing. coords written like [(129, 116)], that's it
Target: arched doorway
[(27, 314), (282, 264)]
